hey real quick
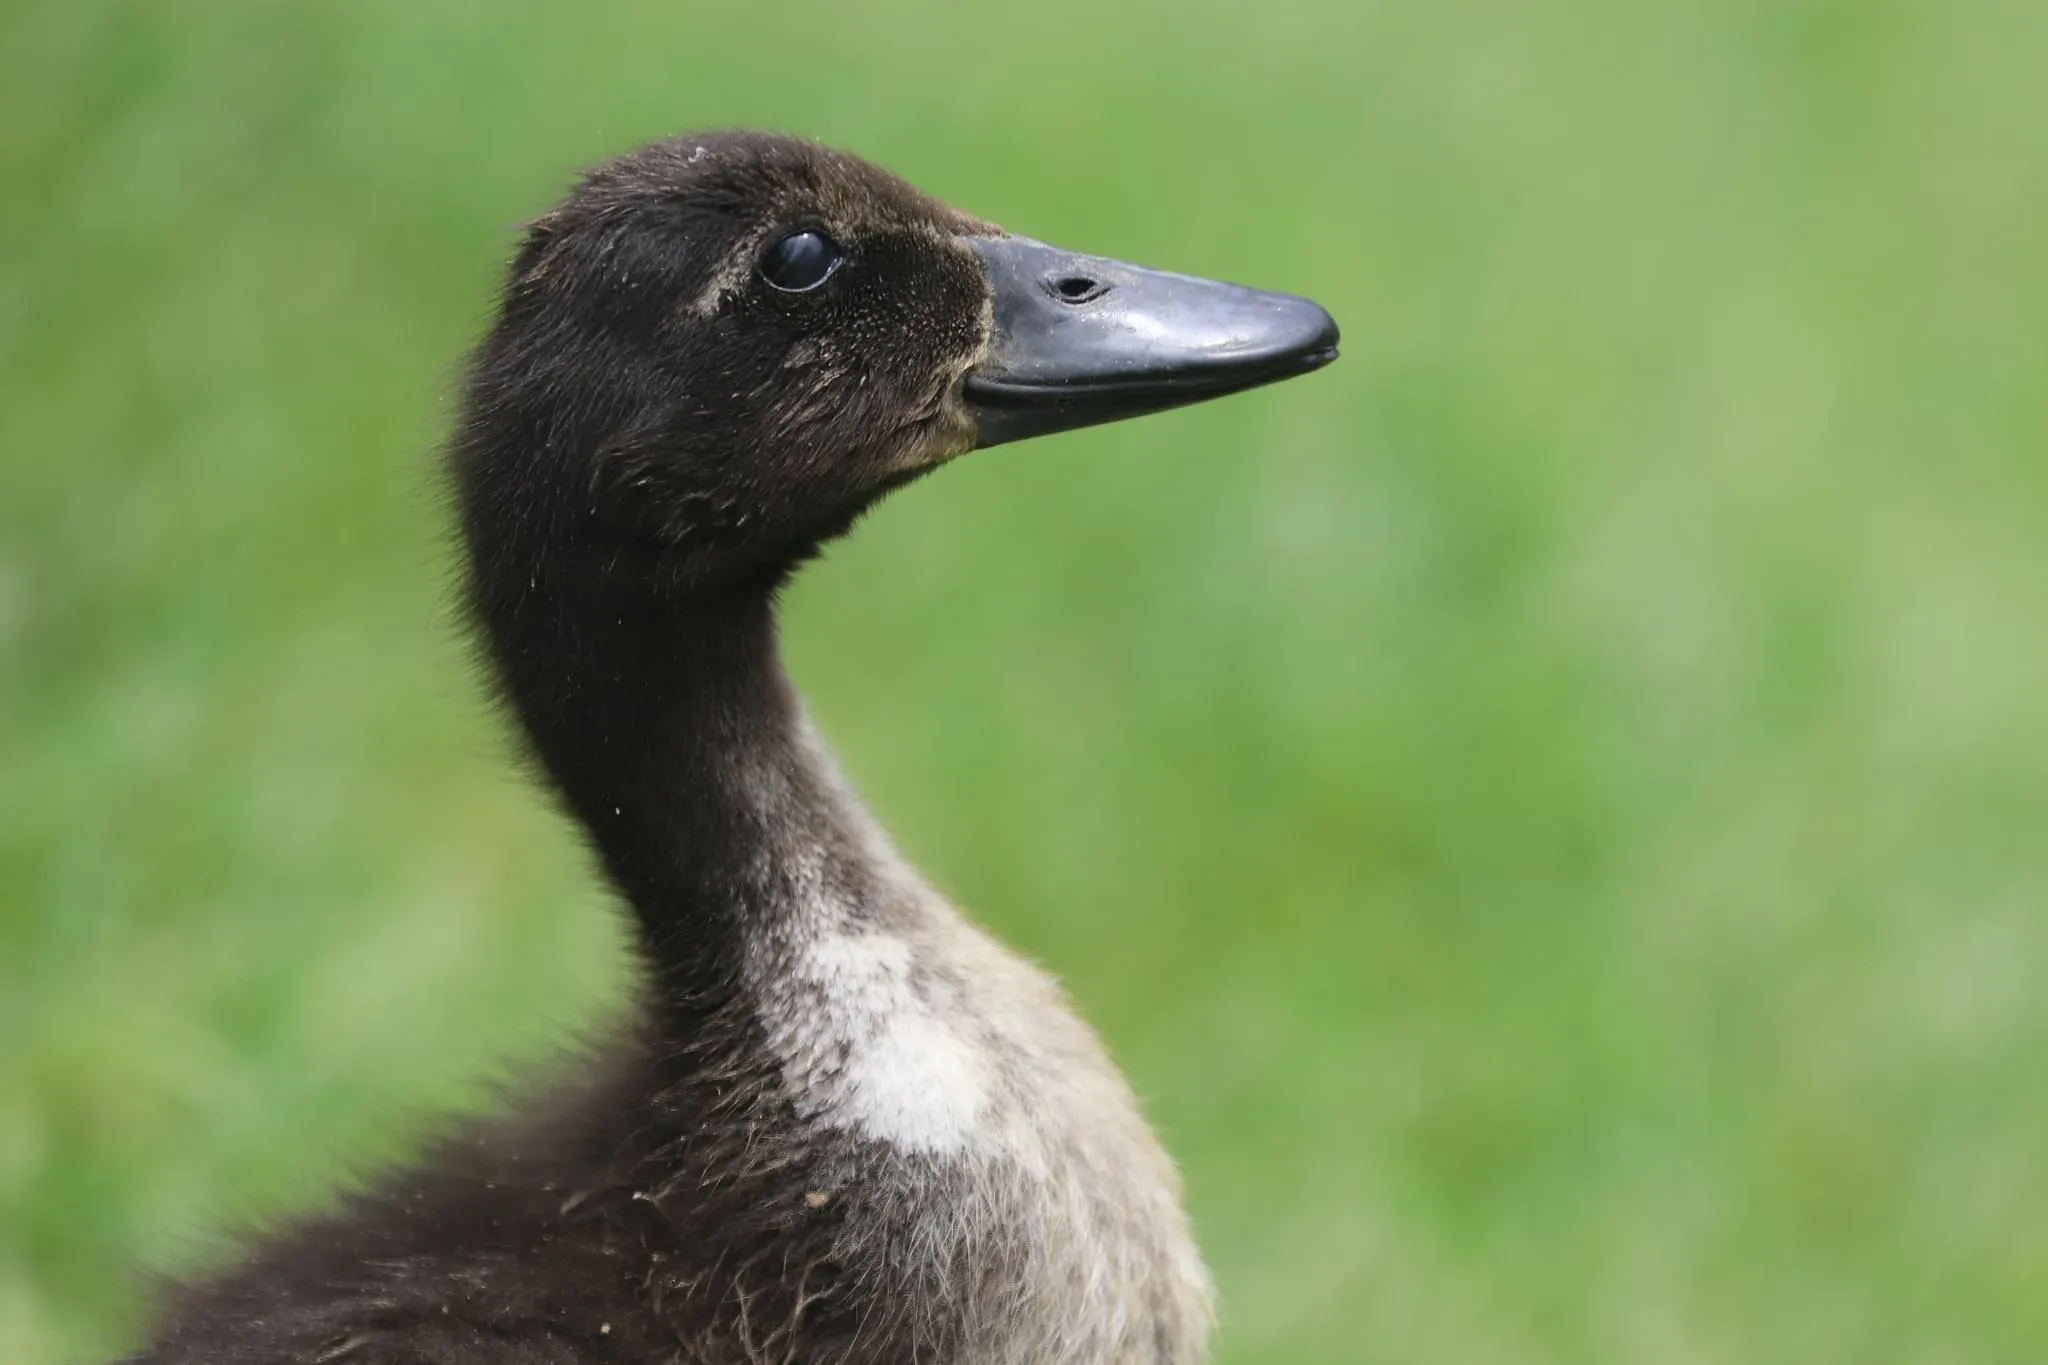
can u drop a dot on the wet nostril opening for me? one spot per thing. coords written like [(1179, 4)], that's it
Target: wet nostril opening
[(1078, 288)]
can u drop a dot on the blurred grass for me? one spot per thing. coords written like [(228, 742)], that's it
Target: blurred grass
[(1550, 812)]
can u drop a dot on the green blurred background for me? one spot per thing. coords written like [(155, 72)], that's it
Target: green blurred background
[(1552, 812)]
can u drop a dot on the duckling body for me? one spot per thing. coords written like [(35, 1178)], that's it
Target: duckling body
[(872, 1135), (844, 1124)]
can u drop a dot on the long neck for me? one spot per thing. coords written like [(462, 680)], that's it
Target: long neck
[(675, 737)]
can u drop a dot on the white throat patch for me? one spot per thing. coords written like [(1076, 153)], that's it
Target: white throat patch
[(871, 1038), (867, 1050)]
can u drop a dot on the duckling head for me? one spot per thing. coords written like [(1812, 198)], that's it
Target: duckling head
[(717, 351)]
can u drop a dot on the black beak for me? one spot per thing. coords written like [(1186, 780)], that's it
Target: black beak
[(1080, 340)]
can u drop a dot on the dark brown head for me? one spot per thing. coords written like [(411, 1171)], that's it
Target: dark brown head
[(718, 350)]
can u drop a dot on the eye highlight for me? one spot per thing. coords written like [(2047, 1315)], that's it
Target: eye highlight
[(801, 261)]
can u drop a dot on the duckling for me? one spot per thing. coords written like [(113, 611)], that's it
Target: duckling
[(843, 1124)]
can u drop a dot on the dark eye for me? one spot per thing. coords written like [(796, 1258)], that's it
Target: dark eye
[(803, 260)]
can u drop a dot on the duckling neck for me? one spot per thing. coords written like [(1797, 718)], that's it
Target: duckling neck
[(761, 888), (937, 1088), (675, 737)]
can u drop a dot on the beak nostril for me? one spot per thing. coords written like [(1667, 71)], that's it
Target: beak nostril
[(1078, 288)]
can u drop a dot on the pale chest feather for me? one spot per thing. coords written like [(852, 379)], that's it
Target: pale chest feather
[(936, 1044)]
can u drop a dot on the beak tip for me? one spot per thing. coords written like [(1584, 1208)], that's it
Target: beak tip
[(1295, 336), (1320, 335), (1331, 334), (1312, 321)]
